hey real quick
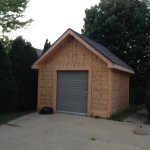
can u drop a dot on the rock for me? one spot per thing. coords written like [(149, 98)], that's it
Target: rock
[(141, 131)]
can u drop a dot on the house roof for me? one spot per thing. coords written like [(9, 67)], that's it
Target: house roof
[(107, 56), (39, 52), (104, 51)]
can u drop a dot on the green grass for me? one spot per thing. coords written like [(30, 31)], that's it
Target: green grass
[(122, 115), (4, 118)]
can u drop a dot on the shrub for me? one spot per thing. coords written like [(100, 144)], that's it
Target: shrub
[(22, 56), (8, 88)]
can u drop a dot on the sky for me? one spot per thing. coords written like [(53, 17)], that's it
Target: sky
[(52, 18)]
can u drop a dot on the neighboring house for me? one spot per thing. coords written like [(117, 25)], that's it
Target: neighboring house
[(39, 52), (80, 76)]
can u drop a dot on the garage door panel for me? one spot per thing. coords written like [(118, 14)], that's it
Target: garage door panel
[(62, 92), (75, 109), (72, 87), (82, 85)]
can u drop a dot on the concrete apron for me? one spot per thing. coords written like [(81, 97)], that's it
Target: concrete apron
[(138, 117), (70, 132)]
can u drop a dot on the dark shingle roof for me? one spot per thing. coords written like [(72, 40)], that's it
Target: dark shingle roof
[(39, 52), (104, 51)]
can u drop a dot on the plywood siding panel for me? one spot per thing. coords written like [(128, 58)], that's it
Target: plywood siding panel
[(72, 54)]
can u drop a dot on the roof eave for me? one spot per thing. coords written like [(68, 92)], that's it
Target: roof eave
[(121, 68), (110, 64)]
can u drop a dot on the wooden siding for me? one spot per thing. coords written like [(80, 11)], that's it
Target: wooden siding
[(72, 54), (119, 91)]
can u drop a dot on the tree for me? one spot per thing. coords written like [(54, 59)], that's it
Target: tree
[(47, 45), (123, 27), (11, 12), (8, 88), (22, 56), (6, 43)]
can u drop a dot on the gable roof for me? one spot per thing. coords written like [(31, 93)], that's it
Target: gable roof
[(104, 51), (107, 56)]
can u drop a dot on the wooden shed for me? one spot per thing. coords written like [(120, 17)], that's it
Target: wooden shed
[(77, 75)]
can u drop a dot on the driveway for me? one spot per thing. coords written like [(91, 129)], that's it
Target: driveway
[(70, 132)]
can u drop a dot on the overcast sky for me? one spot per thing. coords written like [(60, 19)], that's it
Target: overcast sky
[(53, 18)]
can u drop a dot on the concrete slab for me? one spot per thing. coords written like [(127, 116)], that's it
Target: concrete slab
[(138, 117), (70, 132)]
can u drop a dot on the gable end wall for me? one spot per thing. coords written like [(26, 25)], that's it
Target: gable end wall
[(72, 54)]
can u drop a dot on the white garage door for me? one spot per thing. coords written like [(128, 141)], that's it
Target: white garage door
[(72, 92)]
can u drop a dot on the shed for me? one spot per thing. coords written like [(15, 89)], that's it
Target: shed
[(77, 75)]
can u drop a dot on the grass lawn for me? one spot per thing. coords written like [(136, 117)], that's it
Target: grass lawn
[(122, 115), (4, 118)]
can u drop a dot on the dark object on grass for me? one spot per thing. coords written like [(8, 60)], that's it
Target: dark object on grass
[(46, 110)]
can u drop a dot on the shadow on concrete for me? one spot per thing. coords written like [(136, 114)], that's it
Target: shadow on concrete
[(140, 117)]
